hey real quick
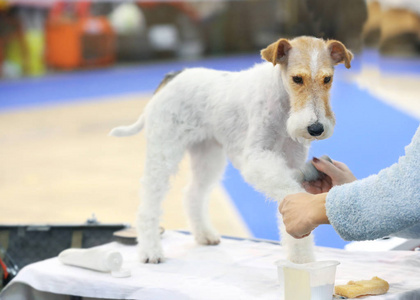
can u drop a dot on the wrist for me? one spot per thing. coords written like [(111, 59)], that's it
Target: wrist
[(319, 212)]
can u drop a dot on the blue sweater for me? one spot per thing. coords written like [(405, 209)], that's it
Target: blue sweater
[(387, 203)]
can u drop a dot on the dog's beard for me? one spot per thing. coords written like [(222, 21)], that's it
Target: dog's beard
[(302, 136), (298, 132), (298, 122)]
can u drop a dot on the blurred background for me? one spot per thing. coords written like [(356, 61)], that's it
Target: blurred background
[(70, 71)]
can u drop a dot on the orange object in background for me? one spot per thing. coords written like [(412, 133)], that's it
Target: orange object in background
[(77, 39)]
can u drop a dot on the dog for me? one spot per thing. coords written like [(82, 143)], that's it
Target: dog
[(262, 119)]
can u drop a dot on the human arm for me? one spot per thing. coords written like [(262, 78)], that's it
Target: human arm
[(381, 204)]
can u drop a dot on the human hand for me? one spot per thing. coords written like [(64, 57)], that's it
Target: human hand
[(302, 213), (337, 173)]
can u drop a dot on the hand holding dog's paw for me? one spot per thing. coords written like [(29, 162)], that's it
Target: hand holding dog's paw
[(302, 213)]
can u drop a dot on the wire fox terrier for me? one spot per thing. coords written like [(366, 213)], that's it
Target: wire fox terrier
[(262, 119)]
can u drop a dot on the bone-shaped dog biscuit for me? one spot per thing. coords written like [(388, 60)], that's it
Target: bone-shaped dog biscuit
[(353, 289)]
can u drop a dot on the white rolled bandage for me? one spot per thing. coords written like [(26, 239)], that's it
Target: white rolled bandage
[(101, 260)]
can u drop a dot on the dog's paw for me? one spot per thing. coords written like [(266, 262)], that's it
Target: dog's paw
[(152, 260), (207, 238), (151, 257)]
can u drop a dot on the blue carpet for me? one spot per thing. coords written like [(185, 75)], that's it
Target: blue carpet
[(84, 85), (369, 135)]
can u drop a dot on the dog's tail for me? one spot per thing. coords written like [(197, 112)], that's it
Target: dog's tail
[(130, 129)]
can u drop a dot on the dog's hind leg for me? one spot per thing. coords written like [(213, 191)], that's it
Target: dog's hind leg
[(161, 162), (208, 162)]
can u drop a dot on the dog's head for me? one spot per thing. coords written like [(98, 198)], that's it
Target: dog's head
[(307, 69)]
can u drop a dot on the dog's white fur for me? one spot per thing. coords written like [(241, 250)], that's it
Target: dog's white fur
[(257, 118)]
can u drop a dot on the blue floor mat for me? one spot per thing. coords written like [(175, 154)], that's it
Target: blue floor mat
[(84, 85)]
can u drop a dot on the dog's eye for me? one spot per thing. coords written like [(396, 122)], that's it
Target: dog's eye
[(327, 79), (297, 79)]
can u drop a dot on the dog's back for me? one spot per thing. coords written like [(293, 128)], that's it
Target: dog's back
[(168, 77)]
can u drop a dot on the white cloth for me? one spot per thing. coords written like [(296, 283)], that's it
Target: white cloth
[(235, 269)]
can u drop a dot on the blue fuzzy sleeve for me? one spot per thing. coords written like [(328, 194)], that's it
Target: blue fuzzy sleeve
[(380, 205)]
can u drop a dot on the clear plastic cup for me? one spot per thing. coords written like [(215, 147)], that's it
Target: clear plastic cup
[(311, 281)]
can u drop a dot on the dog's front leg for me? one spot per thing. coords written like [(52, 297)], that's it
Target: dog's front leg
[(299, 251), (269, 173)]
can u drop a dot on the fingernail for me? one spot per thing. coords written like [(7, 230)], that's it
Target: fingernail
[(315, 160)]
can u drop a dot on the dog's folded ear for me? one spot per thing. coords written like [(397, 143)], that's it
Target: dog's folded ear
[(276, 53), (339, 53)]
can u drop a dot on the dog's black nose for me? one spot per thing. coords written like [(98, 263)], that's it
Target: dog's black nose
[(316, 129)]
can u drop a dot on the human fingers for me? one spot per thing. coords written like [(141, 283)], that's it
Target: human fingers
[(281, 206), (314, 183), (312, 189), (338, 176), (296, 235), (346, 175), (326, 167), (318, 186), (326, 184), (303, 236), (340, 165)]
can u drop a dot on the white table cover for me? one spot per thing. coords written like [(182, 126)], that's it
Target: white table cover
[(235, 269)]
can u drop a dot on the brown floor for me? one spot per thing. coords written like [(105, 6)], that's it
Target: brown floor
[(58, 165)]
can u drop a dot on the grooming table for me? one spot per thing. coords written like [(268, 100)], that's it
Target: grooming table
[(235, 269)]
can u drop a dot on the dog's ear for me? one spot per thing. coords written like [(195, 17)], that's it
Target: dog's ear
[(339, 53), (276, 53)]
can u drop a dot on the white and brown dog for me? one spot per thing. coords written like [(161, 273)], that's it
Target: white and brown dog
[(262, 119)]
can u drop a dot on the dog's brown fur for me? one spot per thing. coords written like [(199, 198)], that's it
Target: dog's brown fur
[(327, 54)]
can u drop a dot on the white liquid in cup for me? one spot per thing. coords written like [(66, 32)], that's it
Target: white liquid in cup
[(312, 281)]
